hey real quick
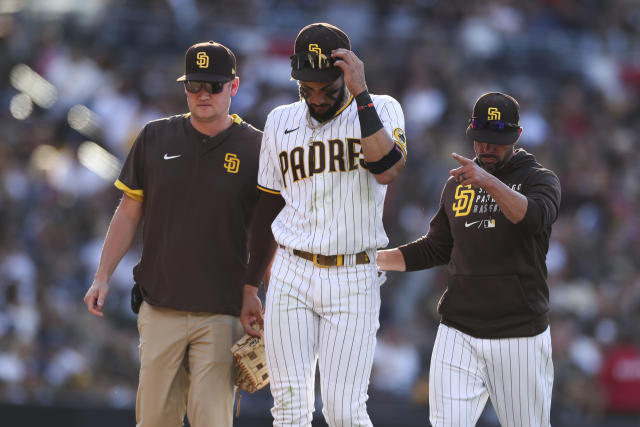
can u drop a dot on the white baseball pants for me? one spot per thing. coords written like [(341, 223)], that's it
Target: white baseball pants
[(323, 315), (516, 373)]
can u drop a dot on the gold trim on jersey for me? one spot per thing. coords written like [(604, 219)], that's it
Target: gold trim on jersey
[(267, 190), (349, 101), (234, 117), (134, 194)]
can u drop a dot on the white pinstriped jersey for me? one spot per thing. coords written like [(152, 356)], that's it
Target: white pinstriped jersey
[(333, 203)]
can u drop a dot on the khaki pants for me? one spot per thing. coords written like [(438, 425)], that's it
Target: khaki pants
[(185, 366)]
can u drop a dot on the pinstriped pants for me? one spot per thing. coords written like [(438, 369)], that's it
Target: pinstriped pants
[(327, 316), (516, 373)]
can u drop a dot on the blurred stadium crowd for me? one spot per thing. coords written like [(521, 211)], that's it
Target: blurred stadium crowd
[(78, 80)]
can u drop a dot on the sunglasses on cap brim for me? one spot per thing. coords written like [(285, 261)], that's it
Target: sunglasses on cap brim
[(313, 60), (194, 86), (478, 123)]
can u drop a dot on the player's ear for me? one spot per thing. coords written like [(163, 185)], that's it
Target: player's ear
[(518, 138), (235, 83)]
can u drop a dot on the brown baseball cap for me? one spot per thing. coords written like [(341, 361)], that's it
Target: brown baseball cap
[(495, 120), (209, 62), (317, 39)]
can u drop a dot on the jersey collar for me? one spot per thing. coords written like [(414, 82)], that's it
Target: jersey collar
[(344, 107), (311, 121)]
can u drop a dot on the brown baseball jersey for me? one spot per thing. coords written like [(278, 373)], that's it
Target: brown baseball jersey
[(198, 194)]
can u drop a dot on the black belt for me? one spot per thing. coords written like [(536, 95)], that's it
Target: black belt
[(324, 261)]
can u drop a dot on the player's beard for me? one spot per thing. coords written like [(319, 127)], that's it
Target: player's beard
[(499, 163), (337, 103)]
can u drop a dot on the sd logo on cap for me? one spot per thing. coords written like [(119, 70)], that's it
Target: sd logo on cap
[(209, 62), (312, 60), (495, 120)]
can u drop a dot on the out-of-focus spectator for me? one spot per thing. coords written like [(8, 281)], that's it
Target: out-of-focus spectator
[(573, 64), (396, 363), (619, 376)]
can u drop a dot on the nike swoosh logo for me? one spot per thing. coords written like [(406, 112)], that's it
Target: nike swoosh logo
[(469, 224), (286, 131), (168, 157)]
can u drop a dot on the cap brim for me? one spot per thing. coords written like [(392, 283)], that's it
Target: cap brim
[(309, 75), (490, 136), (202, 77)]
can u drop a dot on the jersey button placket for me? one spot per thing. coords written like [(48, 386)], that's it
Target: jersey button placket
[(317, 186)]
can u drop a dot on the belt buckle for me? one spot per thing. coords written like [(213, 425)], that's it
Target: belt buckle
[(315, 262), (339, 261)]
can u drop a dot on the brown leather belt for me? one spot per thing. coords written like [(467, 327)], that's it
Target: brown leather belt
[(324, 261)]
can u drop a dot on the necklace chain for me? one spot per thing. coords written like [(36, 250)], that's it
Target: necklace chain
[(320, 124), (315, 129)]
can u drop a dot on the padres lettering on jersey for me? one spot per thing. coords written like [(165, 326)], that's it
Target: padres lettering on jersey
[(335, 154), (333, 203)]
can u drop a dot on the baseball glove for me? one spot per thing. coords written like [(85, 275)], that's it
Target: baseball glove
[(250, 367)]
